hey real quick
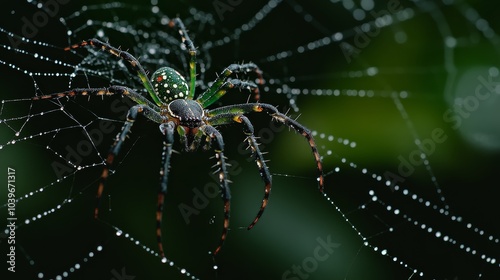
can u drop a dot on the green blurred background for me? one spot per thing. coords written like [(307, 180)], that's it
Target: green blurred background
[(431, 61)]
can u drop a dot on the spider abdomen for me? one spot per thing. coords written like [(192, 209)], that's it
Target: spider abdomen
[(188, 112), (169, 84)]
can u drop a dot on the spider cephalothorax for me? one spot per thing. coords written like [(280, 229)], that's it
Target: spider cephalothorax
[(187, 112), (172, 104)]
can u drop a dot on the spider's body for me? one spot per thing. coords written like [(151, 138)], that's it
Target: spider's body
[(168, 85), (176, 110), (188, 113)]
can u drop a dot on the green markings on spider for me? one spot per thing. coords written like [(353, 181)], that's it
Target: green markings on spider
[(192, 67), (168, 85), (240, 109), (148, 87), (216, 91), (213, 94)]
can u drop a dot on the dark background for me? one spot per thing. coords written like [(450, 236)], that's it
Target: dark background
[(464, 167)]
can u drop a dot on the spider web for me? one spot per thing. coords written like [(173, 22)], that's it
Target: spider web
[(401, 97)]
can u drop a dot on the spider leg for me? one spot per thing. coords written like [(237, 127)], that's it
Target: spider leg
[(125, 56), (115, 148), (276, 115), (146, 107), (257, 154), (104, 91), (216, 137), (177, 22), (210, 96), (168, 130), (219, 86)]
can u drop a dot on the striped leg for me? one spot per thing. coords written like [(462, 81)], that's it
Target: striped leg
[(177, 23), (276, 115), (256, 153), (104, 91), (115, 148), (168, 130), (273, 111), (261, 164), (125, 56), (216, 137)]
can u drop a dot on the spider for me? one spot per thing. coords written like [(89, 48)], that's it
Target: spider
[(173, 106)]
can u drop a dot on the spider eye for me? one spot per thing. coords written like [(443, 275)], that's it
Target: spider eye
[(169, 84)]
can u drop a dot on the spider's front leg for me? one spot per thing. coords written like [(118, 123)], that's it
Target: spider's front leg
[(216, 137), (104, 91), (136, 65)]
